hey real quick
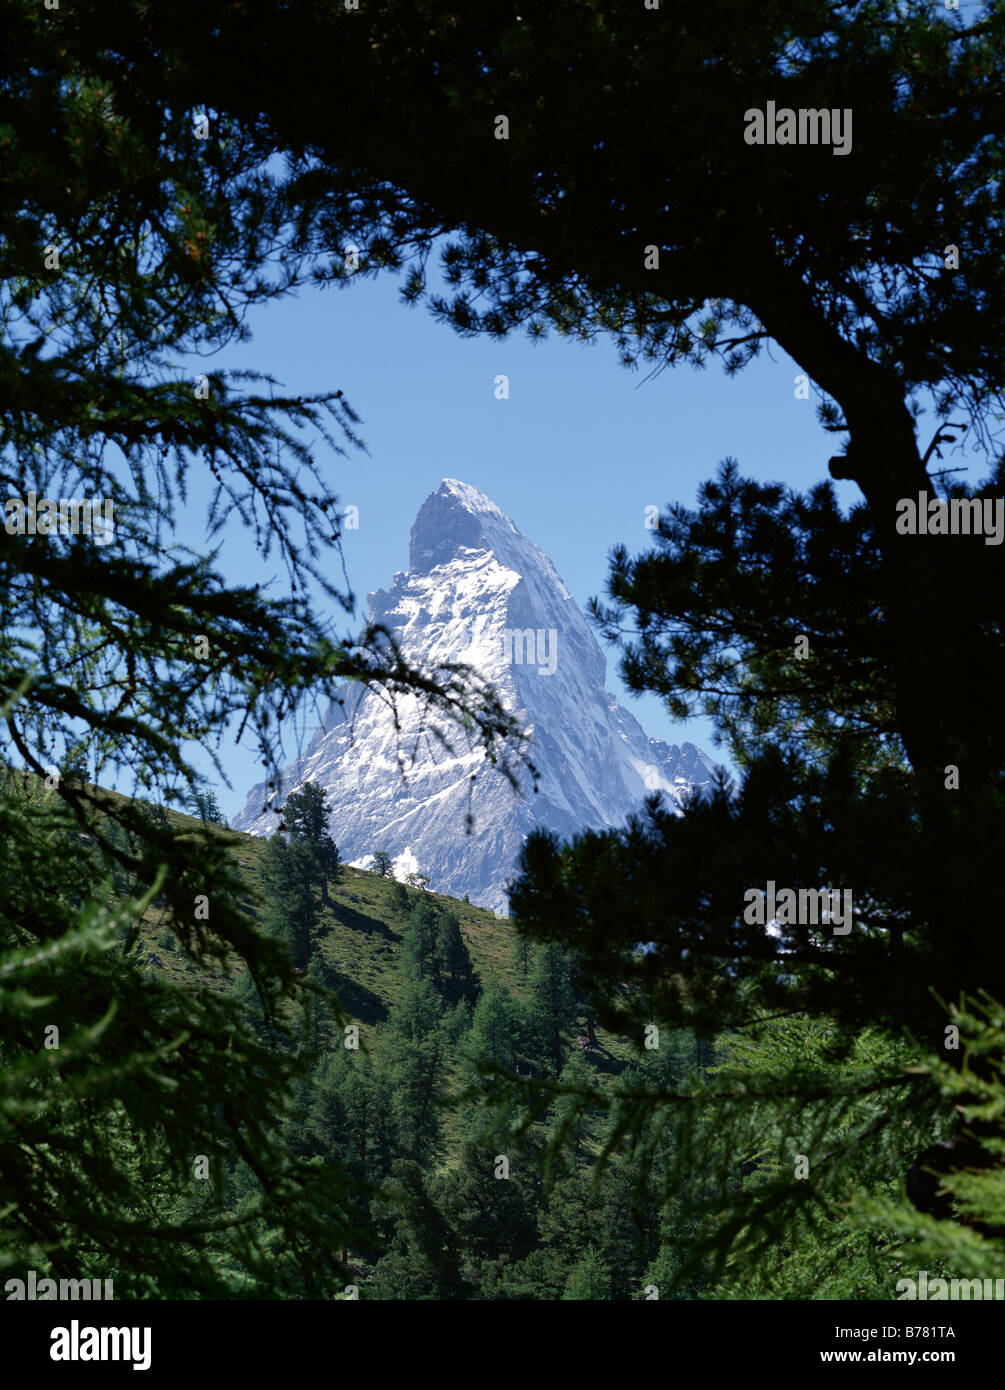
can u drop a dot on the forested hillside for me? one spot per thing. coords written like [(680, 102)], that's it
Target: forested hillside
[(474, 1134), (447, 1196)]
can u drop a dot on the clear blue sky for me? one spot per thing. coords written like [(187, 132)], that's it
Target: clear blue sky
[(574, 456)]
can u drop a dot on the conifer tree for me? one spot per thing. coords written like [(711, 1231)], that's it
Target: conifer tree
[(400, 901), (205, 805), (589, 1278), (826, 768), (493, 1216), (551, 1007), (418, 954), (493, 1043), (521, 953), (413, 1063), (305, 818), (382, 864), (455, 972), (571, 1128), (290, 911), (495, 1027), (425, 1257)]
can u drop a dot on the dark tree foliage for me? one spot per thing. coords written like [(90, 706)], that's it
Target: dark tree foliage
[(551, 1007), (425, 1257), (419, 941), (493, 1217), (711, 619), (105, 1117), (132, 249), (455, 973), (434, 949)]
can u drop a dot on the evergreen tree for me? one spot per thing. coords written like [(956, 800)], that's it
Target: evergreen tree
[(69, 1064), (495, 1027), (413, 1062), (329, 1118), (455, 972), (382, 864), (589, 1278), (826, 769), (305, 821), (424, 1260), (493, 1216), (550, 1008), (569, 1217), (572, 1129), (418, 951), (205, 805), (493, 1042), (521, 954), (290, 912), (457, 1023), (955, 1224), (353, 1115), (400, 901), (434, 949)]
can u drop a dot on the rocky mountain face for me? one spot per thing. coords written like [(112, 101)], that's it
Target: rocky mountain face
[(478, 591)]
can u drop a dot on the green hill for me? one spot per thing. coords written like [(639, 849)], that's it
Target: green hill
[(359, 938)]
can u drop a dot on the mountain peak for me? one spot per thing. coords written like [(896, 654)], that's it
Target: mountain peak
[(481, 593), (469, 496), (455, 515)]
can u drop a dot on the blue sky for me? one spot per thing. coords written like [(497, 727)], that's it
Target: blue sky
[(575, 455)]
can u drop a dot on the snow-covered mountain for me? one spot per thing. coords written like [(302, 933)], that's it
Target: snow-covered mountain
[(478, 591)]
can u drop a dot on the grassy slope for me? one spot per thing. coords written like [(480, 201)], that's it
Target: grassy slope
[(359, 937)]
